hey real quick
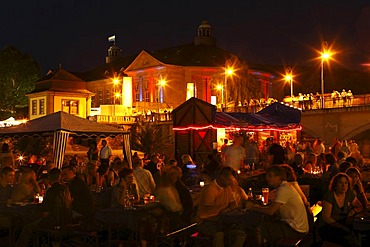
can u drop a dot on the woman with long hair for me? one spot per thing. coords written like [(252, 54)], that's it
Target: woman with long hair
[(339, 207)]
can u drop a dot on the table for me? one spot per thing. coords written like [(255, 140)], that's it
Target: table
[(123, 218), (361, 225), (242, 216)]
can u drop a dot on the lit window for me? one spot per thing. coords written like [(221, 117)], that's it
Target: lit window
[(42, 106), (34, 107), (70, 106)]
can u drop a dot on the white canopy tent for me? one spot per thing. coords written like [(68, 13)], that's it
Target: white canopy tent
[(61, 125)]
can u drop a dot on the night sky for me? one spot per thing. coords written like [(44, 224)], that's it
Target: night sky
[(74, 33)]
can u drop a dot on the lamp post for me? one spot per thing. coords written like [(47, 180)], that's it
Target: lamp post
[(228, 71), (161, 85), (325, 55), (115, 83), (220, 87), (289, 78)]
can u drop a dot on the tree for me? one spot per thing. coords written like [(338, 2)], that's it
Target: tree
[(18, 74), (242, 85), (148, 137)]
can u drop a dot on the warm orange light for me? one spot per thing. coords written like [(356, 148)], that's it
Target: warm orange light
[(117, 95), (288, 77), (219, 87), (162, 82), (326, 55), (115, 81), (229, 71)]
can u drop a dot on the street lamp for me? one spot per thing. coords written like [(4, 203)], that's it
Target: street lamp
[(228, 71), (325, 56), (289, 78)]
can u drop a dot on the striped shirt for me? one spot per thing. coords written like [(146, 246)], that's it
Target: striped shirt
[(144, 180)]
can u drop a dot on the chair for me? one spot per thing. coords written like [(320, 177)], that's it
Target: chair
[(179, 235), (6, 230)]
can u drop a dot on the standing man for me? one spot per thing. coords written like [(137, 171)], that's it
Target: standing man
[(235, 154), (292, 222), (105, 154)]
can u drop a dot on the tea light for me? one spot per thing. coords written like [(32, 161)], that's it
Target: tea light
[(201, 183), (41, 198), (238, 171)]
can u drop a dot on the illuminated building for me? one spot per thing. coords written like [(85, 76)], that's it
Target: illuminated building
[(190, 70)]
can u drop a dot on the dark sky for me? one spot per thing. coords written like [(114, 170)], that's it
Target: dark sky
[(74, 32)]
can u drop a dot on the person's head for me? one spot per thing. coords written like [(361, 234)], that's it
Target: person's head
[(298, 158), (275, 174), (55, 175), (311, 158), (238, 140), (28, 175), (117, 166), (352, 160), (127, 175), (7, 174), (344, 143), (289, 172), (269, 141), (68, 173), (172, 162), (226, 141), (104, 143), (344, 166), (341, 155), (226, 176), (186, 159), (5, 147), (154, 158), (171, 174), (330, 158), (354, 174), (137, 163), (340, 183)]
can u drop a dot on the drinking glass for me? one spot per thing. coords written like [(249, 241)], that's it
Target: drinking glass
[(265, 195)]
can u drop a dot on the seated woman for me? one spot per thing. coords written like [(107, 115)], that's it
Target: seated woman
[(356, 185), (339, 207), (124, 187), (27, 188), (189, 170)]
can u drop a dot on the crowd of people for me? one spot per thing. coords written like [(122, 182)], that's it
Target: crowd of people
[(309, 101), (68, 191)]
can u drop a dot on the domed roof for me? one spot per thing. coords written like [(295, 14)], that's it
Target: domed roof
[(114, 47), (204, 24)]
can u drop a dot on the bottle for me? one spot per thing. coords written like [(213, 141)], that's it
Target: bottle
[(126, 199), (250, 194)]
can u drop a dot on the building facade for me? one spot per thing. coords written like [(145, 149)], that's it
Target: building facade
[(59, 91)]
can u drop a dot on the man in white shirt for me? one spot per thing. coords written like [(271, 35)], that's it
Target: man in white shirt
[(293, 221), (105, 154), (235, 154), (143, 178)]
